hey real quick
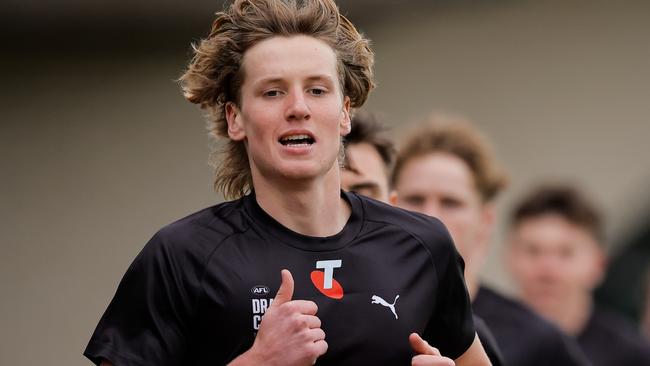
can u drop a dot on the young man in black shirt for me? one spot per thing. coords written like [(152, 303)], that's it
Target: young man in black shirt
[(369, 155), (361, 283), (556, 255), (447, 170)]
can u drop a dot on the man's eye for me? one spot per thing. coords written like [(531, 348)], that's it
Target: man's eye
[(566, 252), (451, 203), (533, 250), (316, 91), (414, 200), (271, 93)]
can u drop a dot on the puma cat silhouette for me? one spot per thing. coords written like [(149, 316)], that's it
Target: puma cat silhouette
[(378, 300)]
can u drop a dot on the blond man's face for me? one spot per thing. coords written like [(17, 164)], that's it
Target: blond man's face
[(442, 185), (292, 113)]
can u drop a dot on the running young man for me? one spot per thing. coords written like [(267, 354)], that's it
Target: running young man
[(279, 79), (446, 169)]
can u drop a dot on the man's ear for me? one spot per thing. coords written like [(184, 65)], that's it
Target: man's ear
[(346, 124), (599, 267), (488, 217), (392, 198), (484, 233), (235, 127)]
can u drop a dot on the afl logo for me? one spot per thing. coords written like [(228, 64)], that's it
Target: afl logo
[(260, 290)]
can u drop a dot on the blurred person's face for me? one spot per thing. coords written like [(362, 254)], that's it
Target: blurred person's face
[(442, 185), (292, 112), (553, 261), (365, 172)]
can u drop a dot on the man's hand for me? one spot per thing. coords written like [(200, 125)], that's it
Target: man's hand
[(426, 355), (289, 334)]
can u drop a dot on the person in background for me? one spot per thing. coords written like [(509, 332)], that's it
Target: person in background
[(446, 169), (369, 155), (555, 253), (626, 286), (645, 315)]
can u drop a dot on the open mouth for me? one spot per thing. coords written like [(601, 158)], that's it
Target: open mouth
[(297, 140)]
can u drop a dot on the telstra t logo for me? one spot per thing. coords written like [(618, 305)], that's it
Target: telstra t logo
[(324, 281)]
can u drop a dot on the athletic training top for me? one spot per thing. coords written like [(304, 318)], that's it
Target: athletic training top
[(525, 339), (196, 293), (610, 340), (488, 342)]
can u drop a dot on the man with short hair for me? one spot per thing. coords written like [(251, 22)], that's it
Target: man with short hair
[(361, 283), (446, 169), (369, 156), (556, 255)]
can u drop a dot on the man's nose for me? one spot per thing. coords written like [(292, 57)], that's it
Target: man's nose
[(549, 264), (432, 208), (297, 108)]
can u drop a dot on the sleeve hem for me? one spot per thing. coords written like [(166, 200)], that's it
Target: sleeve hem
[(96, 353), (467, 343)]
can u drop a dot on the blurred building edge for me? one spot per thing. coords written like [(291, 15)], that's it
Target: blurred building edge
[(627, 283), (645, 322)]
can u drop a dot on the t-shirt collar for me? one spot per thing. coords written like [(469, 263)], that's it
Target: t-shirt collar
[(269, 225)]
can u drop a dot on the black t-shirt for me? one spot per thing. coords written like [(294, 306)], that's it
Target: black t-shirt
[(525, 339), (488, 342), (196, 293), (609, 340)]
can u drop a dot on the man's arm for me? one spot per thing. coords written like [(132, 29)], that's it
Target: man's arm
[(290, 332), (474, 356), (428, 355)]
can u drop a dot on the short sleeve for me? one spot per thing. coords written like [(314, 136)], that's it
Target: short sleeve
[(488, 341), (451, 328), (147, 321), (562, 350)]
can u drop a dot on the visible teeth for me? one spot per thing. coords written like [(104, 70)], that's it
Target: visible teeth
[(296, 137)]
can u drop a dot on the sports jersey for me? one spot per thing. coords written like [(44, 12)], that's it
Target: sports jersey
[(488, 342), (196, 293), (609, 340), (525, 339)]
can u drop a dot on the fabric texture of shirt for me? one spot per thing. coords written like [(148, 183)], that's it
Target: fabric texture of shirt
[(196, 293), (525, 339), (609, 340), (488, 342)]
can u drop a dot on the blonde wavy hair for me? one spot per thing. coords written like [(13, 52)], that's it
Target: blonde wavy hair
[(455, 135), (214, 75)]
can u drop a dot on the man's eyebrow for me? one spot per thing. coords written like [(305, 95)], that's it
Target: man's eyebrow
[(319, 78), (350, 168), (279, 79), (362, 185), (347, 164), (271, 80)]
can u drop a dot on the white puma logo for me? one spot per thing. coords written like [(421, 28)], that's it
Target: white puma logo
[(378, 300)]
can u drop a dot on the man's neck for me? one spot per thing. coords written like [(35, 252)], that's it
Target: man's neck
[(313, 208), (570, 315), (472, 284)]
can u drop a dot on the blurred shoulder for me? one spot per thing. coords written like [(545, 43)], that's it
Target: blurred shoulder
[(430, 231)]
